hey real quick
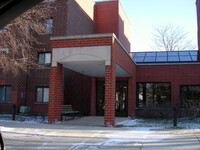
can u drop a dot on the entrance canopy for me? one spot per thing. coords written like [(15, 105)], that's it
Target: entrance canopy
[(90, 61)]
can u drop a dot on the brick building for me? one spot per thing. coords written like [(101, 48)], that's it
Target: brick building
[(93, 70)]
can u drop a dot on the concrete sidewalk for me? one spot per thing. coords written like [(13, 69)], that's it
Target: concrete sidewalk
[(91, 121), (26, 136)]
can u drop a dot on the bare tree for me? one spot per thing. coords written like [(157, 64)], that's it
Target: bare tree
[(171, 38), (18, 39)]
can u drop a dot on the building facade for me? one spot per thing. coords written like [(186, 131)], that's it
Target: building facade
[(87, 63)]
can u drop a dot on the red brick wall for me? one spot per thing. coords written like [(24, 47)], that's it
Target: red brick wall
[(78, 22), (186, 74), (121, 58), (77, 91), (106, 17)]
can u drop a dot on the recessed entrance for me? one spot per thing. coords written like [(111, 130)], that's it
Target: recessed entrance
[(121, 98)]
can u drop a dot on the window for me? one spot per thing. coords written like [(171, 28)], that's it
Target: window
[(44, 58), (151, 95), (4, 50), (5, 93), (42, 94), (190, 96), (48, 25), (4, 30)]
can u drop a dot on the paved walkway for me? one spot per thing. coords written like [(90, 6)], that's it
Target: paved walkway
[(27, 136)]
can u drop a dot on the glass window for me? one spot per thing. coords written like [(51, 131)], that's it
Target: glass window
[(162, 54), (48, 25), (172, 53), (151, 95), (150, 59), (150, 53), (4, 30), (190, 96), (140, 54), (185, 58), (161, 59), (194, 58), (173, 58), (193, 53), (42, 95), (5, 93), (139, 59), (184, 53), (44, 58)]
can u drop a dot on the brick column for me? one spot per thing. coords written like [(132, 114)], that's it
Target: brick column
[(93, 97), (131, 97), (109, 111), (55, 94)]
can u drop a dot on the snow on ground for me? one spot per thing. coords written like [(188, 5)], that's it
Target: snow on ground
[(133, 133), (186, 123)]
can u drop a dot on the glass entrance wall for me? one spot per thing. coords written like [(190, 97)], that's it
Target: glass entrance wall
[(121, 98)]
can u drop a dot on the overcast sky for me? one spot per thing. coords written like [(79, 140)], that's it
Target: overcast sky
[(144, 15)]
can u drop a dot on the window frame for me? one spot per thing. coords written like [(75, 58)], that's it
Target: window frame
[(45, 64), (5, 93), (153, 94), (36, 95)]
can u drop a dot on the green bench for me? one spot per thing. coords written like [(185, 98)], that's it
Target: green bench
[(67, 109), (24, 111)]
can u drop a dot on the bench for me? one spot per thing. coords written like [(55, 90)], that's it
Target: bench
[(67, 109), (24, 111)]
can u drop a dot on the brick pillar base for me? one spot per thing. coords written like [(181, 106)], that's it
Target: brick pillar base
[(110, 79), (93, 97), (55, 94)]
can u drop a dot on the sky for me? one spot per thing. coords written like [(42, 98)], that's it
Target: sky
[(145, 15)]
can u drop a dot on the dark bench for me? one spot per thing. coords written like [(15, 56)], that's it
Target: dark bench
[(67, 109)]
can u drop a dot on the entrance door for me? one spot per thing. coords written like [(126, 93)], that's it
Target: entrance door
[(100, 93), (121, 98)]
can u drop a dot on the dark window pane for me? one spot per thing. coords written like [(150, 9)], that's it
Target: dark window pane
[(161, 94), (190, 97), (149, 94), (139, 54), (138, 59), (8, 93), (150, 59), (174, 58), (42, 58), (1, 93), (184, 53), (172, 53), (39, 94), (162, 54), (185, 58), (161, 59), (150, 53)]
